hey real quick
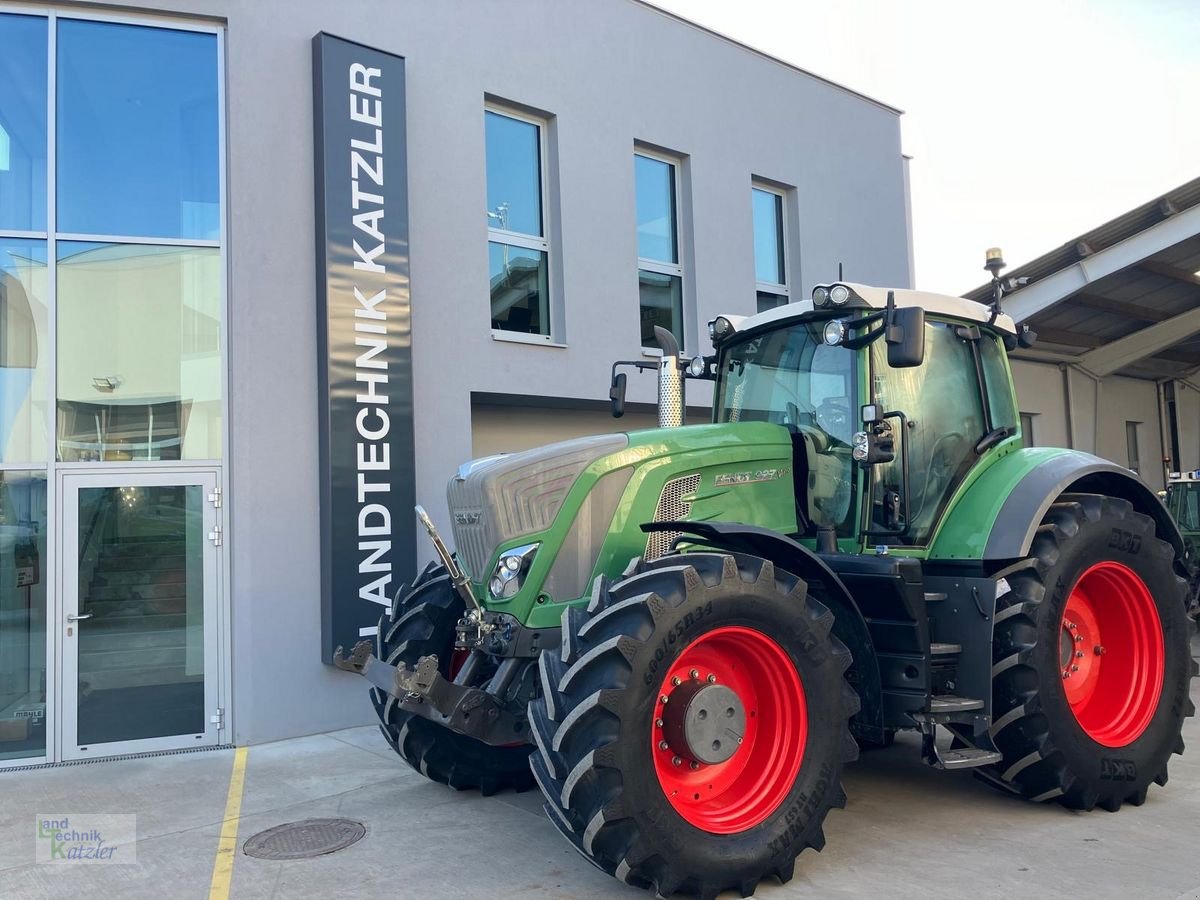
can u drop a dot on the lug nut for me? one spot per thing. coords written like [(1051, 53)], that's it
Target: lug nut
[(1079, 654), (1074, 668), (662, 745), (662, 698), (693, 765), (1066, 674), (676, 761), (675, 680), (658, 723), (694, 674), (711, 679), (1099, 650), (1072, 626), (739, 740), (1079, 638)]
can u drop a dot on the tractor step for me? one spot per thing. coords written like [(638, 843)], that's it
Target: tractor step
[(938, 649), (948, 704), (964, 758)]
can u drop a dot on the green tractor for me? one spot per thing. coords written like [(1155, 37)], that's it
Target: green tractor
[(682, 635), (1183, 503)]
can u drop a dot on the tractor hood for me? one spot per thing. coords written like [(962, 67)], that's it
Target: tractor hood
[(533, 529), (498, 499)]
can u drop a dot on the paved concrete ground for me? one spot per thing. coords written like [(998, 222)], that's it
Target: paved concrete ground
[(907, 832)]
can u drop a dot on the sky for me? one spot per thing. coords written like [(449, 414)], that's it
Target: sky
[(1029, 121)]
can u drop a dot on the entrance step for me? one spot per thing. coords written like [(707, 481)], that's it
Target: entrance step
[(938, 649), (949, 704), (964, 758)]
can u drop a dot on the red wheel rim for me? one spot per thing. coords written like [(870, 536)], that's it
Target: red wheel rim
[(739, 793), (1111, 655)]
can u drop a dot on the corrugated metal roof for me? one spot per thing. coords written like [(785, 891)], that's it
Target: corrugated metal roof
[(1151, 290)]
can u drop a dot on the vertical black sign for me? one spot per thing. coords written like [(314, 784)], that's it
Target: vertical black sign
[(368, 540)]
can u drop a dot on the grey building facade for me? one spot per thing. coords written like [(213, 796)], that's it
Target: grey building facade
[(575, 173)]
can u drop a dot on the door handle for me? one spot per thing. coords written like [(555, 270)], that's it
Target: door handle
[(71, 617)]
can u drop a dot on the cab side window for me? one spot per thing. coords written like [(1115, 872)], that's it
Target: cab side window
[(942, 401)]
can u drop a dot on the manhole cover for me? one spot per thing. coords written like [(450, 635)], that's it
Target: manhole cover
[(300, 840)]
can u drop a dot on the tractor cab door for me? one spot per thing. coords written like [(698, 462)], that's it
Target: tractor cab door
[(951, 403)]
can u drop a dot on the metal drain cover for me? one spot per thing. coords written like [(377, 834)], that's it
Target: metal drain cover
[(304, 839)]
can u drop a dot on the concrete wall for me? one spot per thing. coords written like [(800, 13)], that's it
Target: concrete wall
[(610, 73), (1041, 390)]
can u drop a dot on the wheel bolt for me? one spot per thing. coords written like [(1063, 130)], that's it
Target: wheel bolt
[(1079, 638), (739, 740), (676, 761), (1099, 650), (693, 765), (658, 723), (1072, 626), (662, 745), (1074, 668), (675, 680), (694, 674), (662, 698), (712, 679), (1066, 674), (1079, 654)]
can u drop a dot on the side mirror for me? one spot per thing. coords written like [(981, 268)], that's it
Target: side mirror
[(616, 395), (905, 336)]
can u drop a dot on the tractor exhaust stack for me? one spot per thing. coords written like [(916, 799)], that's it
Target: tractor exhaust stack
[(670, 380)]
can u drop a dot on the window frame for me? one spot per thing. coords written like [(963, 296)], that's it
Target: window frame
[(658, 266), (784, 288), (1133, 445), (520, 238)]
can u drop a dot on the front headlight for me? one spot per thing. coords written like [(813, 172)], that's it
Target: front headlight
[(510, 572)]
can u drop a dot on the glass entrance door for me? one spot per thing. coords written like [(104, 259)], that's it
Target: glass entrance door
[(139, 632)]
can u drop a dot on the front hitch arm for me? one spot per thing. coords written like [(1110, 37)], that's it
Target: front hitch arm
[(423, 692)]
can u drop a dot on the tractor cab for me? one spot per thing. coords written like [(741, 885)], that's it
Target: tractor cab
[(892, 397)]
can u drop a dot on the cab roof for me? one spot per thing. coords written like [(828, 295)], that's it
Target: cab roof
[(876, 298)]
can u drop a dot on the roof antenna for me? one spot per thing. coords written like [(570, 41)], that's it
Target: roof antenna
[(839, 271)]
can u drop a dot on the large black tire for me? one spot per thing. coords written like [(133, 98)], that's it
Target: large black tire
[(422, 622), (596, 754), (1048, 754)]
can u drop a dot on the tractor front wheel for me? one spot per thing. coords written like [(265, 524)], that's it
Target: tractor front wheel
[(420, 623), (1091, 659), (691, 733)]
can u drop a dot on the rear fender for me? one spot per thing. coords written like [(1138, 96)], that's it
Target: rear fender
[(997, 516), (824, 584)]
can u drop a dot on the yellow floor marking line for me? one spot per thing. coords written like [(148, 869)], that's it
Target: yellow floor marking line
[(227, 846)]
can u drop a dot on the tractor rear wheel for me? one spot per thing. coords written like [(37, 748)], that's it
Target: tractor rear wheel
[(691, 733), (420, 623), (1091, 659)]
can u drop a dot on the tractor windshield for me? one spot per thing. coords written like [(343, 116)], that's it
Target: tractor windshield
[(791, 377)]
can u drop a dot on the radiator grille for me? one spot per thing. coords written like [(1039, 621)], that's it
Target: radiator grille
[(672, 507)]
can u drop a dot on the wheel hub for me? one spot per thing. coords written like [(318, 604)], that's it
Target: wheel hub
[(1111, 654), (703, 722)]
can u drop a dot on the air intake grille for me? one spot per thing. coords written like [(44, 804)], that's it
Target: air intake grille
[(671, 508)]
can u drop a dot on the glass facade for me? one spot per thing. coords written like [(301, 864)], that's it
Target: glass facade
[(111, 318), (23, 575)]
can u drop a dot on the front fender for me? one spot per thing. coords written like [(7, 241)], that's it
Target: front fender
[(996, 516)]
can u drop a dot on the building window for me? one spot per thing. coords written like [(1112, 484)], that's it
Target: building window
[(660, 273), (770, 248), (1027, 429), (1131, 445), (518, 250)]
